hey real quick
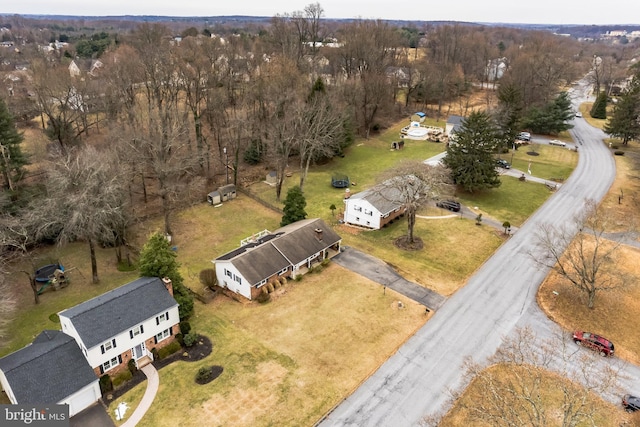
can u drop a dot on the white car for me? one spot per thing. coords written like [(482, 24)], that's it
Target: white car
[(557, 142), (578, 114)]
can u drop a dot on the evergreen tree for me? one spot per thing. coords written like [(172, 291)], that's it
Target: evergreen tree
[(158, 260), (470, 154), (294, 206), (625, 120), (11, 158), (552, 118), (510, 110), (599, 108)]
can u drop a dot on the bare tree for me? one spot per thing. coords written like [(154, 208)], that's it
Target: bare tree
[(7, 306), (322, 129), (516, 383), (582, 253), (17, 235), (413, 184), (86, 200)]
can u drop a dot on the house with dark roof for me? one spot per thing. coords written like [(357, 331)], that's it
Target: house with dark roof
[(374, 208), (52, 369), (287, 252), (124, 324), (454, 124)]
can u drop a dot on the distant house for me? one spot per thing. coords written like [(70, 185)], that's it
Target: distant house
[(495, 69), (374, 208), (124, 324), (52, 369), (454, 124), (289, 251), (78, 67)]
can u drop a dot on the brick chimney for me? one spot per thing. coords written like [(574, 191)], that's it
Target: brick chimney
[(318, 232), (168, 285)]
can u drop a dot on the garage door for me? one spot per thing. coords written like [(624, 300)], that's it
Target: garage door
[(82, 400)]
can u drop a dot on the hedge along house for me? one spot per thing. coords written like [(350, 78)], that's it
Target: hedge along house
[(124, 324), (287, 252), (374, 208), (50, 370)]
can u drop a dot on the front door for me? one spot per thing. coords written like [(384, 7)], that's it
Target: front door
[(138, 351)]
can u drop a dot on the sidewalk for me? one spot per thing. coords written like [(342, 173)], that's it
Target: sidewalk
[(153, 381)]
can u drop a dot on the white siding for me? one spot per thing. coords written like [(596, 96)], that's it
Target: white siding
[(243, 287), (361, 212), (7, 388), (83, 398), (124, 342)]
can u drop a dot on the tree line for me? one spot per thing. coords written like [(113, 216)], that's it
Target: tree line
[(159, 119)]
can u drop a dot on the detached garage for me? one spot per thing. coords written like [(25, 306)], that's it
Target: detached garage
[(51, 370)]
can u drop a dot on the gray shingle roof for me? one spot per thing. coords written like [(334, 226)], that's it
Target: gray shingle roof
[(109, 314), (384, 198), (286, 246), (47, 371)]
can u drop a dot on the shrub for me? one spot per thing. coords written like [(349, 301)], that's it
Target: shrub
[(276, 284), (263, 297), (325, 262), (204, 375), (169, 349), (122, 378), (270, 287), (208, 277), (185, 327), (618, 153), (54, 318), (190, 339), (131, 365), (283, 279), (180, 339), (105, 384), (155, 354)]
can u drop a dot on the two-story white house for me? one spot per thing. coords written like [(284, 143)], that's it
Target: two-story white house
[(123, 324), (99, 336), (289, 251), (52, 369), (374, 208)]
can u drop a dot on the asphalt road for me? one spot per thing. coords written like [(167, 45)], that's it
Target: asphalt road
[(500, 296)]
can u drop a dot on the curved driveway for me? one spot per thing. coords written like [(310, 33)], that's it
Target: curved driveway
[(415, 381)]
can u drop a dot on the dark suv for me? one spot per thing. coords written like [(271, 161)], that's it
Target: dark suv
[(501, 163), (451, 205), (594, 342), (631, 403)]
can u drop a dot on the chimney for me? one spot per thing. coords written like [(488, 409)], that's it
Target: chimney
[(318, 233), (168, 285)]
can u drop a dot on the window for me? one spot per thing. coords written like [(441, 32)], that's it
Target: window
[(228, 273), (109, 364), (162, 335), (136, 331), (357, 208), (108, 346), (162, 317), (284, 270)]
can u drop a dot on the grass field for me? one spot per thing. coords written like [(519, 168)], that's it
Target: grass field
[(288, 362), (606, 414)]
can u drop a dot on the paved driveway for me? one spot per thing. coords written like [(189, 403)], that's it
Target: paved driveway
[(94, 416), (500, 296), (380, 272)]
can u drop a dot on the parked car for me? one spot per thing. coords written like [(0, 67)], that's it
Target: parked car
[(524, 136), (631, 403), (501, 163), (451, 205), (557, 142), (578, 114), (594, 342)]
